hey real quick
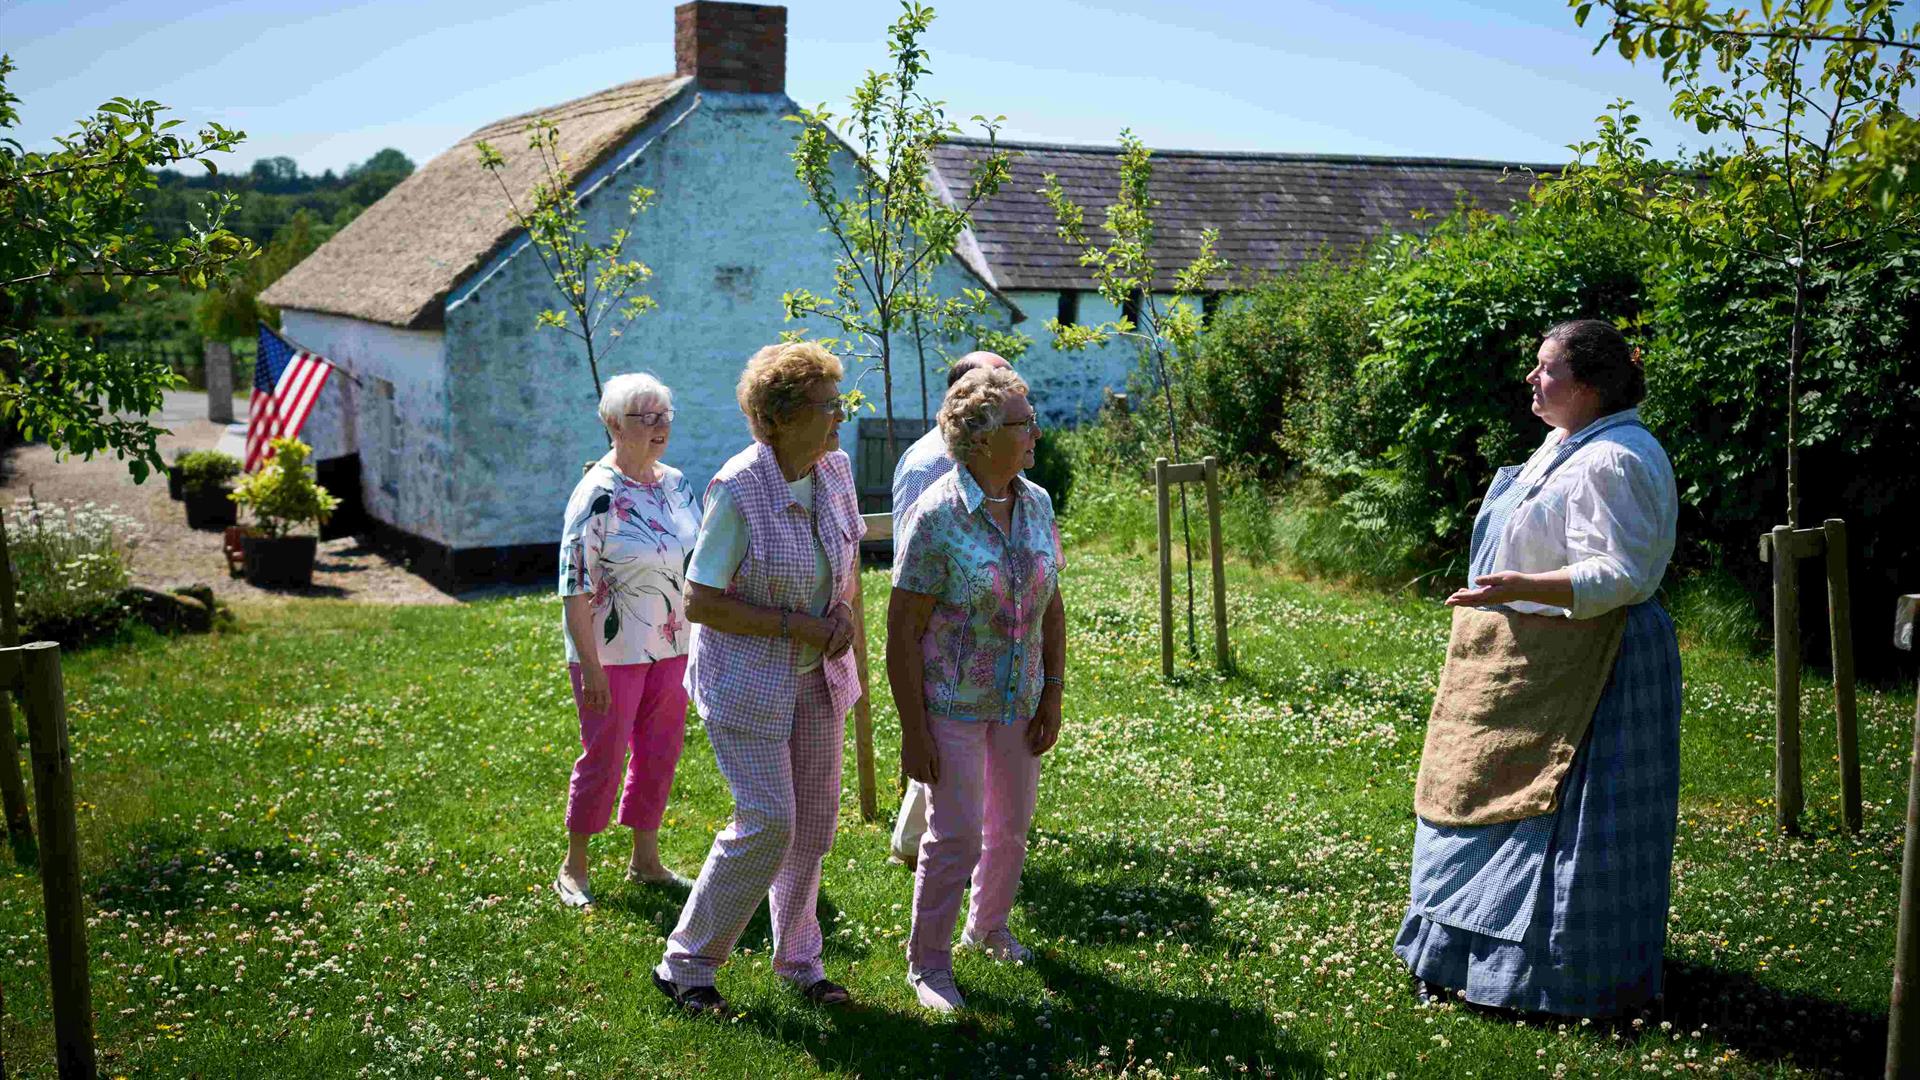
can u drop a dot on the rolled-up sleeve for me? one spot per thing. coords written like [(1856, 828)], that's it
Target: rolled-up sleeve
[(1620, 527)]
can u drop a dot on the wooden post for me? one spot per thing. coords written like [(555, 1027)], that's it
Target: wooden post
[(1787, 794), (1222, 658), (1903, 1019), (862, 714), (1165, 513), (1846, 718), (43, 700), (219, 358), (13, 787)]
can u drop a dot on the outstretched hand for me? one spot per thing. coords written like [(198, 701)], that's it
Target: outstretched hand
[(1500, 588)]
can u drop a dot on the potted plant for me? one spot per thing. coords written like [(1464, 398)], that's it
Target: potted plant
[(205, 477), (176, 480), (281, 496)]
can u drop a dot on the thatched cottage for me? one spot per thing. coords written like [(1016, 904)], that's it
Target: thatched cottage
[(465, 424)]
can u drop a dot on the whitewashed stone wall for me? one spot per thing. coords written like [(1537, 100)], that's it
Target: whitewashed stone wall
[(1068, 386), (474, 436), (392, 412)]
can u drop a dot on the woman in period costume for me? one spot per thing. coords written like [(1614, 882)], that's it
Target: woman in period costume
[(774, 599), (628, 530), (1549, 784), (976, 655)]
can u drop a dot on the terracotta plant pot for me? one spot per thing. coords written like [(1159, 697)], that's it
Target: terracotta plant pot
[(210, 509), (284, 562)]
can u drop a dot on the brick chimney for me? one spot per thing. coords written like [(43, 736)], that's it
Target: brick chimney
[(732, 47)]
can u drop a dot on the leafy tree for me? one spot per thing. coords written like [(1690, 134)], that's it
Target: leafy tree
[(73, 216), (1822, 161), (385, 161), (596, 282), (231, 310), (371, 179), (1168, 330), (276, 174), (893, 228)]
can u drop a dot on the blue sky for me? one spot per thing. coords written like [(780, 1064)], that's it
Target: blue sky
[(330, 83)]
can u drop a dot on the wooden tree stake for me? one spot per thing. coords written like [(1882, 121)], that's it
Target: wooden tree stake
[(13, 787), (862, 712), (1164, 513), (1787, 793), (1846, 719), (37, 669), (1903, 1020), (1221, 656), (1165, 474)]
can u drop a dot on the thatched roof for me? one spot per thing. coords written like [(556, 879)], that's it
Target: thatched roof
[(397, 261), (1274, 211)]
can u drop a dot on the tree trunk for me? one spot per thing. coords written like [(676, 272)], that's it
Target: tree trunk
[(920, 350), (886, 379)]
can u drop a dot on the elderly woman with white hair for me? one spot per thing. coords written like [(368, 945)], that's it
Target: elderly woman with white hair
[(630, 528), (976, 656)]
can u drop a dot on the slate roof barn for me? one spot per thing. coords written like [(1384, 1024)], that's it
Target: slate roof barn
[(1273, 212)]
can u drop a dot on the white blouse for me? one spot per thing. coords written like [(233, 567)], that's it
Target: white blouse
[(1607, 514), (625, 545)]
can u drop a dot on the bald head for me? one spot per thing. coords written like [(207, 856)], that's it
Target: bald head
[(974, 361)]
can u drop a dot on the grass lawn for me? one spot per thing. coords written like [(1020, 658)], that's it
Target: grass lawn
[(319, 845)]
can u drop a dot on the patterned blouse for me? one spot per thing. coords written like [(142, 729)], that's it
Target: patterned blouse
[(982, 649), (626, 545)]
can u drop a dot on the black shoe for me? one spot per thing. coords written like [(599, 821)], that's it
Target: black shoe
[(693, 1000), (1426, 993)]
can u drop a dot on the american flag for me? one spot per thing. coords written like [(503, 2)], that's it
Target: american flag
[(286, 383)]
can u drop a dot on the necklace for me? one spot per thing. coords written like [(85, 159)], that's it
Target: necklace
[(991, 499)]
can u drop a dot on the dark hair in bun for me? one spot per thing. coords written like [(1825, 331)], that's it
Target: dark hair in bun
[(1599, 356)]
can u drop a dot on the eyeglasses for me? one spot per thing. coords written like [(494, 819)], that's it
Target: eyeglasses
[(652, 419), (834, 407), (1031, 424)]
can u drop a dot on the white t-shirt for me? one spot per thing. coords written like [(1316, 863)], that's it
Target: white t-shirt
[(1608, 514), (723, 544)]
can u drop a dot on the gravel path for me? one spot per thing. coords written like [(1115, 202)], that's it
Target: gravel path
[(171, 554)]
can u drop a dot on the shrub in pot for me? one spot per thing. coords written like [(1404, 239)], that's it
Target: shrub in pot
[(205, 487), (176, 479), (280, 497)]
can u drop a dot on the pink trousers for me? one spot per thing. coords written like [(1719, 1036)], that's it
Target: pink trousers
[(647, 716), (786, 806), (977, 819)]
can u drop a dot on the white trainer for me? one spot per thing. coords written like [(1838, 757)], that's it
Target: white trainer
[(936, 990), (999, 944)]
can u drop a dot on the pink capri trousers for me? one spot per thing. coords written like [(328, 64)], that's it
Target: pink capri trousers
[(647, 716)]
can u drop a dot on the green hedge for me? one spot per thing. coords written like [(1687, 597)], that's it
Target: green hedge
[(1387, 390)]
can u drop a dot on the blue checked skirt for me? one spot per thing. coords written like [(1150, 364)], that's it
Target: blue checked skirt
[(1567, 913)]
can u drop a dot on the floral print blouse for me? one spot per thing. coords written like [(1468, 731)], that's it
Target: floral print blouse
[(982, 649), (626, 545)]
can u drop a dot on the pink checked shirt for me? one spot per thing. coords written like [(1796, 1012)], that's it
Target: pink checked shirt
[(748, 683)]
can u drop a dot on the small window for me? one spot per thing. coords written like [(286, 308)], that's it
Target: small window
[(1069, 313), (1130, 309)]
